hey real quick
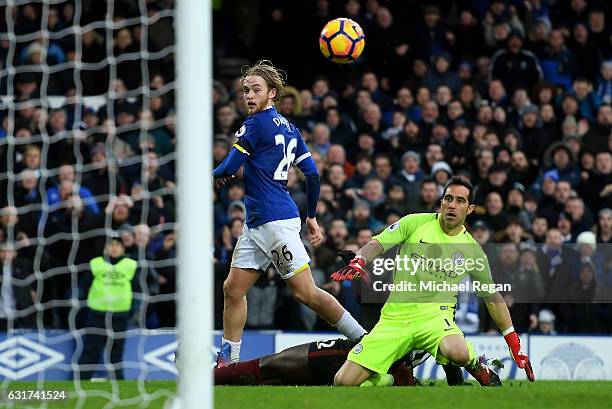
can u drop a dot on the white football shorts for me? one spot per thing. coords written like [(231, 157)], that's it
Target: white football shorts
[(276, 242)]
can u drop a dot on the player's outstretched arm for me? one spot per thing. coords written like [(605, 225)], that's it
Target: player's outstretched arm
[(230, 165), (499, 313), (393, 235), (356, 266)]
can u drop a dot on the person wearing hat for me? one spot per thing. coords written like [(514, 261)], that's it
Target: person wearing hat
[(546, 323), (561, 158), (441, 172), (514, 66), (109, 284), (586, 245), (236, 209), (441, 74), (26, 85), (362, 218), (481, 232), (465, 70), (411, 173)]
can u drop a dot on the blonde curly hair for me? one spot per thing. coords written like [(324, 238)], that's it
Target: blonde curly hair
[(274, 77)]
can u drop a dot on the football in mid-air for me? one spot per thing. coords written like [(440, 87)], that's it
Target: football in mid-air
[(342, 40)]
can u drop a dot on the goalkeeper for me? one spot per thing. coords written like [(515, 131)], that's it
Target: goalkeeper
[(419, 317)]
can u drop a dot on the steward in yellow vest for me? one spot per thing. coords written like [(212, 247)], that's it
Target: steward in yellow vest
[(109, 300)]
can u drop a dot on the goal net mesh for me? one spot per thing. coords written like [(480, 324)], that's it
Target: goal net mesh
[(87, 164)]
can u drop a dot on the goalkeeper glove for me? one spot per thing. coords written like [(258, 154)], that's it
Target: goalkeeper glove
[(354, 269), (346, 256), (518, 354)]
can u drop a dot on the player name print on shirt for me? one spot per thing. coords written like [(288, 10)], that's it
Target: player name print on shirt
[(278, 121)]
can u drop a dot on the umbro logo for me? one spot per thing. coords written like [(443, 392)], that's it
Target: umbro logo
[(163, 357), (21, 357)]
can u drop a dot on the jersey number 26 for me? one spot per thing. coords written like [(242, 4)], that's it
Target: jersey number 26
[(282, 170)]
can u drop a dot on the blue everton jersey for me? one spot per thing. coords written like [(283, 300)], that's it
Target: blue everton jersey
[(272, 144)]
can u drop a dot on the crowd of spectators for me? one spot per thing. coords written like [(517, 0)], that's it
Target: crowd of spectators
[(515, 95), (86, 153)]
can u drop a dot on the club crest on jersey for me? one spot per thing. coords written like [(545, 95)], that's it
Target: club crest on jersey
[(458, 258), (393, 226), (358, 348), (241, 131)]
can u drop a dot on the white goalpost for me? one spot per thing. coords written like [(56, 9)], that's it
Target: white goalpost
[(194, 74)]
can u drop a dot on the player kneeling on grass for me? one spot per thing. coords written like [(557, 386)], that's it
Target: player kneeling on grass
[(425, 319)]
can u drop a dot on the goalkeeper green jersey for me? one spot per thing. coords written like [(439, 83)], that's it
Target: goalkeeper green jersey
[(430, 266)]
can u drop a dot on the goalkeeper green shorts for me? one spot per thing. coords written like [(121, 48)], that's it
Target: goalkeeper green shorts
[(391, 339)]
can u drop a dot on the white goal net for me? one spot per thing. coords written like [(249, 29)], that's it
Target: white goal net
[(88, 201)]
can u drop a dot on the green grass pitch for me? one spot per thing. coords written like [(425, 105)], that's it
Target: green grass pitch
[(514, 394)]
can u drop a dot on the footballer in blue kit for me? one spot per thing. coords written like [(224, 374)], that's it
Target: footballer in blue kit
[(266, 147), (271, 144)]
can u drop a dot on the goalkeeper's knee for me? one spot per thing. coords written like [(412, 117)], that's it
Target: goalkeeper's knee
[(462, 354), (472, 358)]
